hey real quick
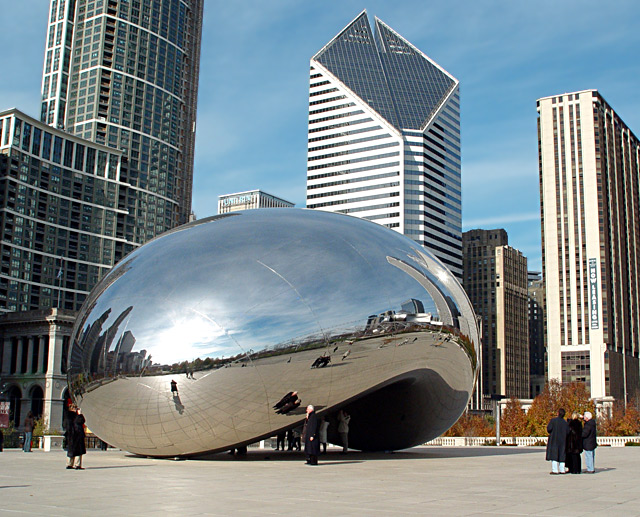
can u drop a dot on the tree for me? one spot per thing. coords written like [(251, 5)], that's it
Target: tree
[(572, 397), (621, 421), (514, 420), (471, 425)]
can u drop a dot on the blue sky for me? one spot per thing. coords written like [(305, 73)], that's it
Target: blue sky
[(253, 102)]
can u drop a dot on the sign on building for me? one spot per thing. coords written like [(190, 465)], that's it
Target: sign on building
[(594, 314)]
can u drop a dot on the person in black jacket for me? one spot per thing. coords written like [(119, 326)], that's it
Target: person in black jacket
[(311, 436), (574, 445), (589, 442), (75, 441), (558, 429)]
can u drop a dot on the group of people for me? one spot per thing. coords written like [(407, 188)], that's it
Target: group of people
[(567, 441), (314, 433)]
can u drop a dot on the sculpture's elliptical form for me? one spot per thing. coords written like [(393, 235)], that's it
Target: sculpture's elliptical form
[(242, 309)]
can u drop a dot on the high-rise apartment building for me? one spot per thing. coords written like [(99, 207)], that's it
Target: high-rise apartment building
[(249, 200), (537, 370), (495, 279), (125, 75), (384, 137), (58, 214), (590, 203)]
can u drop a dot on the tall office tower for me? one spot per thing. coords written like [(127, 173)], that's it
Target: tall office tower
[(249, 200), (125, 74), (537, 368), (384, 137), (495, 278), (589, 190)]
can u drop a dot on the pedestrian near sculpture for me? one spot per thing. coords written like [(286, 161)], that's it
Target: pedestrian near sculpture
[(574, 445), (311, 439), (29, 424), (75, 442), (589, 442), (343, 429), (324, 426), (558, 429)]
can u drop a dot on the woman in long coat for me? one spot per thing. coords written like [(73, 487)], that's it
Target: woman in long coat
[(574, 445), (311, 436), (75, 442), (558, 429)]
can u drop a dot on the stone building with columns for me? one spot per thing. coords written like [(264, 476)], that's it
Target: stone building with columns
[(33, 354)]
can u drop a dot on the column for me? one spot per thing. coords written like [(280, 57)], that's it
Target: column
[(55, 352), (6, 355), (30, 344), (19, 356), (42, 356)]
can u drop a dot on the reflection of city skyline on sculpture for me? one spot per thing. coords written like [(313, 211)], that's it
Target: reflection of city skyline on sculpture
[(249, 303)]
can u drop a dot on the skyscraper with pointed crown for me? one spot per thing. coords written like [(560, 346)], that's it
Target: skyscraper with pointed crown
[(384, 137)]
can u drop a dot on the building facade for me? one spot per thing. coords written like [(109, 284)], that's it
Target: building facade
[(125, 75), (537, 355), (589, 191), (384, 137), (58, 214), (249, 200), (33, 364), (495, 279)]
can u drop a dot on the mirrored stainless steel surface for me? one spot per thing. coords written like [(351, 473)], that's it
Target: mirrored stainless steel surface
[(240, 310)]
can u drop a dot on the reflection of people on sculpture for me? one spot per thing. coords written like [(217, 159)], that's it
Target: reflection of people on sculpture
[(289, 406), (343, 429), (292, 395), (178, 403), (346, 354), (321, 361), (174, 388), (310, 433)]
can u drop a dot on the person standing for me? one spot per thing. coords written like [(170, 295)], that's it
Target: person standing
[(28, 431), (343, 429), (558, 429), (310, 433), (324, 426), (574, 445), (589, 442), (76, 447)]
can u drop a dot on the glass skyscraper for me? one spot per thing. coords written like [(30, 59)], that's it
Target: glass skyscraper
[(125, 74), (110, 164), (384, 137)]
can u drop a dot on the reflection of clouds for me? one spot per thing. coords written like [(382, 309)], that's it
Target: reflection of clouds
[(189, 332), (260, 279)]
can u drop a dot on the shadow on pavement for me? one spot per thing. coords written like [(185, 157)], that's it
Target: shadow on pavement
[(335, 457)]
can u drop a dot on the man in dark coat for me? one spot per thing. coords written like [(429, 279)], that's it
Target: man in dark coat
[(75, 442), (589, 442), (558, 429), (311, 436)]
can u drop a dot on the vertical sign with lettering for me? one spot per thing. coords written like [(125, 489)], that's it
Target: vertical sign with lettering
[(594, 315), (4, 414)]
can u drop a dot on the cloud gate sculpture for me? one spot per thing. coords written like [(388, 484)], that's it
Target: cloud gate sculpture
[(191, 343)]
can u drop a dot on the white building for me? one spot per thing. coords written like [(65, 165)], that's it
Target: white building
[(384, 137), (590, 182), (249, 200)]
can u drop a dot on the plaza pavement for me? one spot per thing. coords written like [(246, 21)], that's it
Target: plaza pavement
[(421, 481)]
